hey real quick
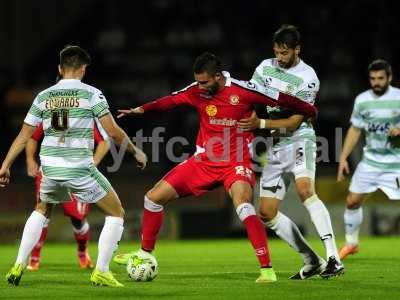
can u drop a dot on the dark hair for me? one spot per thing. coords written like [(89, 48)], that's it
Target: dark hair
[(287, 35), (207, 62), (380, 64), (72, 56)]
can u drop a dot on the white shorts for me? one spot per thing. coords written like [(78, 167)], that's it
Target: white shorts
[(367, 179), (297, 158), (88, 189)]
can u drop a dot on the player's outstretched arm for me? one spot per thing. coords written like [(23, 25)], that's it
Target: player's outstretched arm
[(16, 148), (351, 139), (120, 138), (301, 107), (165, 103), (130, 112), (275, 98)]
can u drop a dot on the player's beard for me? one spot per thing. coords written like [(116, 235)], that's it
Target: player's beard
[(213, 89), (380, 90), (289, 64)]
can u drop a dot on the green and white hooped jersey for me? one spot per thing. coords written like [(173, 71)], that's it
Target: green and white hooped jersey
[(300, 81), (376, 115), (68, 111)]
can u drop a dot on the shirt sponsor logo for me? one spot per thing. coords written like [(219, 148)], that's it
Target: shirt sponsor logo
[(234, 99), (211, 110), (378, 128), (223, 122)]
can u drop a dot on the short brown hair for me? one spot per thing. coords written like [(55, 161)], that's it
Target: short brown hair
[(72, 56), (287, 35)]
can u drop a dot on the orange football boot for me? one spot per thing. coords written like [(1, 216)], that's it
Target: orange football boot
[(348, 250)]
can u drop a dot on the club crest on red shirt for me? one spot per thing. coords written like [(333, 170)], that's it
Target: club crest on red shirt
[(234, 99)]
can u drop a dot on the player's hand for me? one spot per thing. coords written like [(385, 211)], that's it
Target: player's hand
[(343, 168), (4, 177), (251, 123), (32, 167), (130, 112), (141, 158), (394, 131)]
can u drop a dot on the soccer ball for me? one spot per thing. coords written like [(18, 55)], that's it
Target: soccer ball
[(142, 268)]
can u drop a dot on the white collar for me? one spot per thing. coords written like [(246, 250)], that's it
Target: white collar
[(69, 80), (227, 76)]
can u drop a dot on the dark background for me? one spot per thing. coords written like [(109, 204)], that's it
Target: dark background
[(142, 50)]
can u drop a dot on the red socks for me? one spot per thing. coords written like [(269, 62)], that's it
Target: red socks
[(258, 238), (151, 225), (82, 240)]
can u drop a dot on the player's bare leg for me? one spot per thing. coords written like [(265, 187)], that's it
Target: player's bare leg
[(288, 231), (108, 240), (241, 193), (81, 230), (153, 215), (353, 217), (322, 221), (30, 236)]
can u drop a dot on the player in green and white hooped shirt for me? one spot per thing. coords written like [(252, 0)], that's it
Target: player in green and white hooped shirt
[(377, 113), (294, 153), (68, 111)]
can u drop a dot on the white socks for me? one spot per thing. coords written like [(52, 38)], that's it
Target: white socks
[(30, 236), (352, 220), (322, 222), (288, 231), (108, 241)]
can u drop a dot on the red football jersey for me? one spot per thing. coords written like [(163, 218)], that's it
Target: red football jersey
[(219, 138)]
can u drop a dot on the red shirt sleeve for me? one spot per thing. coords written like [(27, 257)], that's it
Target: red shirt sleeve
[(38, 133), (98, 138), (178, 98), (287, 101)]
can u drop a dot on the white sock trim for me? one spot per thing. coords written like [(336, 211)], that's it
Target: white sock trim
[(85, 228), (311, 200), (245, 210), (151, 206), (114, 220), (274, 221)]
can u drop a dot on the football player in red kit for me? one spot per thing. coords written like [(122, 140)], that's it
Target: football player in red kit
[(222, 155), (75, 210)]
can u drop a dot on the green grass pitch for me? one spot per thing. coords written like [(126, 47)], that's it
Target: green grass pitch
[(211, 269)]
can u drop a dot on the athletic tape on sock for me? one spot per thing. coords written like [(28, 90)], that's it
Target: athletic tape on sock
[(151, 206), (245, 210)]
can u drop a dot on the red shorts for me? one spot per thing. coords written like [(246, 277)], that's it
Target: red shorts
[(72, 208), (195, 177)]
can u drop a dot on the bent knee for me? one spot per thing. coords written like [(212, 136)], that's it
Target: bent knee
[(267, 213), (162, 193), (353, 201), (305, 193)]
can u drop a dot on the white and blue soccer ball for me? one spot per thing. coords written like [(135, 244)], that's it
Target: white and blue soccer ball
[(142, 268)]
